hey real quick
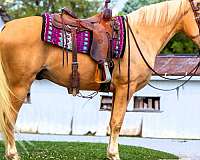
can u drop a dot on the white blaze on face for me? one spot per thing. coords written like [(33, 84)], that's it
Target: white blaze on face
[(1, 23)]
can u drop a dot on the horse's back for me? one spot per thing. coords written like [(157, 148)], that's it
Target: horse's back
[(23, 28)]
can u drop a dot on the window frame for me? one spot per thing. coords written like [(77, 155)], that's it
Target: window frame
[(153, 101), (102, 103)]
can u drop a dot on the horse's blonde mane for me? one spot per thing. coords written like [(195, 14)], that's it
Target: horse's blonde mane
[(159, 14)]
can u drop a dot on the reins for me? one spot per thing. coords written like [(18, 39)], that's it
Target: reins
[(181, 85), (129, 60), (155, 72), (191, 73)]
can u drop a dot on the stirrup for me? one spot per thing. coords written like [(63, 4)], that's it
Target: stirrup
[(107, 73), (98, 74)]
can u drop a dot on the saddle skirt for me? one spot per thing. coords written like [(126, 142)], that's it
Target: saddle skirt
[(55, 36)]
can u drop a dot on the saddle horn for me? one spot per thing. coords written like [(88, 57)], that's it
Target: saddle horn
[(107, 12), (106, 3)]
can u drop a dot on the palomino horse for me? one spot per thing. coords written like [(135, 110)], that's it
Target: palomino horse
[(24, 55)]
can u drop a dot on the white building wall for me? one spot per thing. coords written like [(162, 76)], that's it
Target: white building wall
[(53, 111), (180, 111), (1, 23), (50, 110)]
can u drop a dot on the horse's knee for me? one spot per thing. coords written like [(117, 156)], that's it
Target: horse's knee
[(115, 126)]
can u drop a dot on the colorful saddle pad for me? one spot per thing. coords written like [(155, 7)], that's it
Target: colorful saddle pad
[(55, 36)]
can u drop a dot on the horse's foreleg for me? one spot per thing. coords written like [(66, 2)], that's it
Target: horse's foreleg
[(117, 117), (17, 101)]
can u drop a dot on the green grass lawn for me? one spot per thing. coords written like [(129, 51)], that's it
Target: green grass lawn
[(82, 151)]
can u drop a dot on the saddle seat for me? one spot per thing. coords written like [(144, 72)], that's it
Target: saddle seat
[(67, 17)]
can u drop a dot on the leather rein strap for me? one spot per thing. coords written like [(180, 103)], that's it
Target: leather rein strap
[(129, 58)]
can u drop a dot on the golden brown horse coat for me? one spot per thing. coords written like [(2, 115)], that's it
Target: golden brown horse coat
[(24, 55)]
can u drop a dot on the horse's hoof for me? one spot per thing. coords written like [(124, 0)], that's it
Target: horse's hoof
[(113, 157), (12, 157)]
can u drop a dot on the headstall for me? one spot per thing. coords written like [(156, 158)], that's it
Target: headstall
[(196, 10)]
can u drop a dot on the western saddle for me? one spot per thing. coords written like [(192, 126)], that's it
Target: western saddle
[(101, 27)]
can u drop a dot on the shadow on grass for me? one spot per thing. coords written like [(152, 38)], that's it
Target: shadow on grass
[(82, 151)]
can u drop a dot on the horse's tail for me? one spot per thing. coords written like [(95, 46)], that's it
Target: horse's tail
[(6, 107)]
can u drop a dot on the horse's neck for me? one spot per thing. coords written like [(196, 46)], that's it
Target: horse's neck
[(154, 35)]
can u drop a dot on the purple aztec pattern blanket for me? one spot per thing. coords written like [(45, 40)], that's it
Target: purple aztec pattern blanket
[(120, 43), (54, 36)]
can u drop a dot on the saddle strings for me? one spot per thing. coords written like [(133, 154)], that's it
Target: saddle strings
[(64, 40)]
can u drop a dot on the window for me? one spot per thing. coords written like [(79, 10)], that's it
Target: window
[(146, 104), (106, 103), (140, 104)]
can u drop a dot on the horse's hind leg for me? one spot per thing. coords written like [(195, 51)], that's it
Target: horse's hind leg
[(117, 117), (17, 99)]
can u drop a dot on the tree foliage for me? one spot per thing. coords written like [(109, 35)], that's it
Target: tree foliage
[(179, 44), (132, 5), (23, 8)]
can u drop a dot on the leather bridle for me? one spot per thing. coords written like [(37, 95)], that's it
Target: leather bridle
[(196, 10)]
